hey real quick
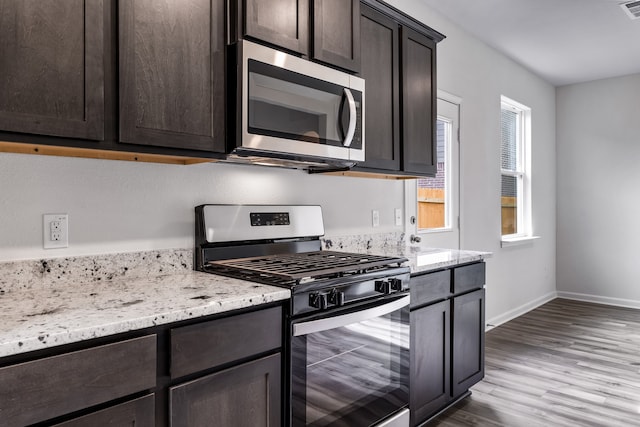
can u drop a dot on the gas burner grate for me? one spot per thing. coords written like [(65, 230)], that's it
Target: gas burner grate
[(298, 267)]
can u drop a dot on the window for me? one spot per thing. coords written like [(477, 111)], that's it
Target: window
[(515, 169), (434, 212)]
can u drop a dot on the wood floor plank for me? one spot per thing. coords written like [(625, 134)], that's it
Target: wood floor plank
[(566, 363)]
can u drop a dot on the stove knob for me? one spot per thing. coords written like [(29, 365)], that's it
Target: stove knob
[(318, 300), (383, 286), (336, 298), (396, 284)]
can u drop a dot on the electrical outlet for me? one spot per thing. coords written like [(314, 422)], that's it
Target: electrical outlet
[(375, 218), (398, 216), (55, 229)]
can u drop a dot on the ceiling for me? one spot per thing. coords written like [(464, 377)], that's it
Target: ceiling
[(562, 41)]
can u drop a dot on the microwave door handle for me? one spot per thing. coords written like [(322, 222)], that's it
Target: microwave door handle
[(351, 129), (320, 325)]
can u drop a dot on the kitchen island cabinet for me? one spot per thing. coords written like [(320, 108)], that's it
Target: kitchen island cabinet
[(447, 338)]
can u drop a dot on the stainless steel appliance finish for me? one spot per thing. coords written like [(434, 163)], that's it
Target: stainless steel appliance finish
[(348, 318), (294, 109)]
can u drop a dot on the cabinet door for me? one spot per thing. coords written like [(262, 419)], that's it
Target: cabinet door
[(172, 81), (336, 33), (467, 341), (284, 23), (418, 103), (246, 395), (430, 360), (380, 69), (136, 413), (52, 67)]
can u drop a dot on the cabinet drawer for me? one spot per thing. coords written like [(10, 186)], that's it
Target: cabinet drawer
[(209, 344), (430, 287), (245, 395), (136, 413), (46, 388), (468, 277)]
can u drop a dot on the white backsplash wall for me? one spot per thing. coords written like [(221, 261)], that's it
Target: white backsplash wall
[(118, 206)]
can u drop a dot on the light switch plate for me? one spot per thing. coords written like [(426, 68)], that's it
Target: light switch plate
[(55, 231)]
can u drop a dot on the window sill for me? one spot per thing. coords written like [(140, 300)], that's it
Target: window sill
[(506, 242)]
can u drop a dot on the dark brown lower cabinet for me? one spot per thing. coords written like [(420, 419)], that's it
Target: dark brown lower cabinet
[(50, 387), (467, 341), (430, 383), (447, 338), (245, 395), (136, 413), (222, 371)]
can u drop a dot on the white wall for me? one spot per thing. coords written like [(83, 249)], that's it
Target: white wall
[(517, 277), (117, 206), (598, 185)]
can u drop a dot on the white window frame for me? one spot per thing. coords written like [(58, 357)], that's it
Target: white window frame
[(522, 173)]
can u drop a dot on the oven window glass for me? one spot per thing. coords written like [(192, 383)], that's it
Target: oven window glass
[(355, 373), (289, 105)]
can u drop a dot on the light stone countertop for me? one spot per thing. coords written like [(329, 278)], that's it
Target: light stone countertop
[(51, 302), (38, 318)]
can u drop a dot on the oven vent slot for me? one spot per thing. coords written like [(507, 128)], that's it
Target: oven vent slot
[(632, 9)]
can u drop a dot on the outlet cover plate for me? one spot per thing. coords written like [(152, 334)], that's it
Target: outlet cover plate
[(398, 216), (60, 225)]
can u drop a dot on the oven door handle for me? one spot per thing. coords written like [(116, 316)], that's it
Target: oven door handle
[(326, 324)]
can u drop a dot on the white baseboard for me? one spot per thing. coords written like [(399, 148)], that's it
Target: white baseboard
[(618, 302), (519, 311)]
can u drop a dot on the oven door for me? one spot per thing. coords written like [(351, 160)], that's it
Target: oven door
[(351, 367)]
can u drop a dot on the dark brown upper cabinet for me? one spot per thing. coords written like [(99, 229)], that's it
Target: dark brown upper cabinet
[(172, 73), (380, 70), (398, 65), (419, 93), (284, 23), (336, 33), (51, 68), (327, 31)]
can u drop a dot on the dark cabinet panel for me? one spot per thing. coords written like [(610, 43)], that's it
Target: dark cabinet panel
[(467, 341), (430, 388), (284, 23), (469, 277), (136, 413), (191, 345), (52, 68), (172, 64), (431, 287), (380, 68), (336, 33), (245, 395), (46, 388), (418, 103)]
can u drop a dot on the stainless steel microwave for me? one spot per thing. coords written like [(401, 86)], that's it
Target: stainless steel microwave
[(296, 110)]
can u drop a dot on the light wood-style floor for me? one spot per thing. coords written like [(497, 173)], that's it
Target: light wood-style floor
[(566, 363)]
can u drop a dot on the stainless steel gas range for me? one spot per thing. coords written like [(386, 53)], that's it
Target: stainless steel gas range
[(347, 323)]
